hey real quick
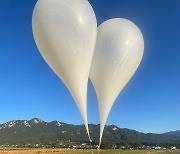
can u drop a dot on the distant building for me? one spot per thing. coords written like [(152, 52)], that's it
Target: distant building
[(173, 148), (157, 148), (84, 144)]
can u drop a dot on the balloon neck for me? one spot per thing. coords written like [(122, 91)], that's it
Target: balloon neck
[(90, 141), (99, 146), (101, 133)]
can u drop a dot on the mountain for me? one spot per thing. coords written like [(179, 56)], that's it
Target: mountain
[(39, 132), (173, 133)]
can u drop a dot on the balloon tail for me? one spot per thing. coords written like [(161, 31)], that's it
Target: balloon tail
[(90, 141), (101, 133), (99, 146)]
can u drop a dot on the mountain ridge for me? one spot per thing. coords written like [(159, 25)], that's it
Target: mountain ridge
[(173, 133), (56, 132)]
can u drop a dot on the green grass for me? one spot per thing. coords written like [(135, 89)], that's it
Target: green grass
[(128, 152)]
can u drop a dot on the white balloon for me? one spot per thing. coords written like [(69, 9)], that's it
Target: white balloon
[(65, 33), (118, 53)]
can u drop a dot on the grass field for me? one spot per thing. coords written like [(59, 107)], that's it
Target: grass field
[(75, 151)]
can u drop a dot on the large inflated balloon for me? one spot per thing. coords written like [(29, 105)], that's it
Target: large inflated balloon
[(65, 33), (118, 53)]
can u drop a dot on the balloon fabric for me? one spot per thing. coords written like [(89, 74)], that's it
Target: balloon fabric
[(65, 33), (118, 53)]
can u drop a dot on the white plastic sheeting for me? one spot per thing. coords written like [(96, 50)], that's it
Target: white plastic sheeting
[(118, 53), (65, 33)]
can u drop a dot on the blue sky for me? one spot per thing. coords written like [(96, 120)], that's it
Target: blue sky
[(149, 103)]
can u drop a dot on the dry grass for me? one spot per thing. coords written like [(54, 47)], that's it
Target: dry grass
[(39, 150)]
